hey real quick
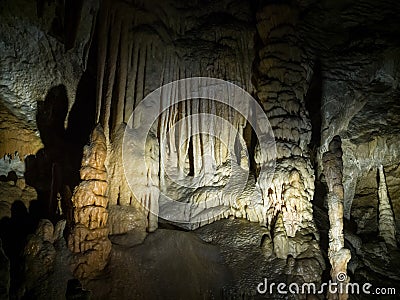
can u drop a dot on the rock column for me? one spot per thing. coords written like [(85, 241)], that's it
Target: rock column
[(387, 225), (338, 255), (281, 78)]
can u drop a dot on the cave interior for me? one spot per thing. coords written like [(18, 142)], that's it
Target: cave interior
[(199, 149)]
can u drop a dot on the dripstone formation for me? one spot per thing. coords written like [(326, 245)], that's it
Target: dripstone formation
[(282, 75), (339, 256), (387, 226), (196, 149), (88, 238)]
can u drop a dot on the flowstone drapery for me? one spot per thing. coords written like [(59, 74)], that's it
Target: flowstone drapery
[(281, 82), (148, 59), (203, 161)]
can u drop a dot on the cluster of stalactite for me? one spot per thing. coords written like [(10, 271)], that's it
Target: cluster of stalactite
[(281, 75), (88, 237), (339, 256), (132, 63)]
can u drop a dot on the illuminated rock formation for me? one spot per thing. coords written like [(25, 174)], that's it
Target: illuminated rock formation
[(387, 225), (318, 69), (338, 255), (88, 238), (281, 81), (143, 192), (177, 147)]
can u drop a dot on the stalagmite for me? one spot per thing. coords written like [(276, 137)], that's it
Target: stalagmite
[(338, 255), (281, 243), (387, 225), (88, 238), (282, 81)]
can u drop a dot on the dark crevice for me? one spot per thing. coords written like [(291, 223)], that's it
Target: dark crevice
[(313, 100)]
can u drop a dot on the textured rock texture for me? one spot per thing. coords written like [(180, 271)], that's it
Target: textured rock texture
[(16, 135), (359, 65), (141, 196), (364, 208), (282, 79), (45, 260), (88, 238), (34, 56), (202, 41), (13, 191), (338, 255), (319, 69), (387, 226)]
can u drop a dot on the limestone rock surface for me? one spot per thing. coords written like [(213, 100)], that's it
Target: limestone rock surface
[(88, 238)]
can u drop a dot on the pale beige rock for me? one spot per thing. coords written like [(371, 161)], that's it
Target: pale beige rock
[(16, 135), (137, 197), (281, 243), (387, 225), (88, 239), (338, 255), (281, 85), (282, 81)]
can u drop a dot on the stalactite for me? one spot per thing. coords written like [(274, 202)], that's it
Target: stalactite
[(338, 255), (72, 18), (387, 225), (125, 75), (112, 59), (129, 95), (102, 38), (122, 74), (280, 239)]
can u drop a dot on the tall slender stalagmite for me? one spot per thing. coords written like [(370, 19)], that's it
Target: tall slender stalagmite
[(387, 225), (88, 238), (338, 255), (282, 80)]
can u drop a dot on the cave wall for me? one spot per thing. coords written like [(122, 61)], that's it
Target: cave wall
[(35, 58)]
